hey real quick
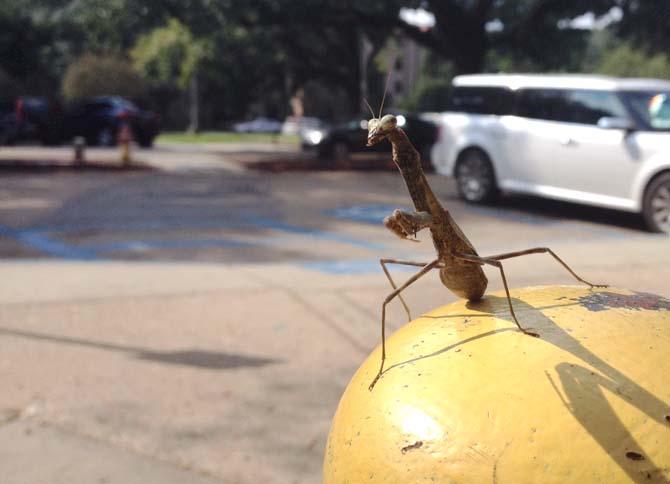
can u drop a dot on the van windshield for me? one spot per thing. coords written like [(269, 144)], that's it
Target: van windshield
[(651, 108)]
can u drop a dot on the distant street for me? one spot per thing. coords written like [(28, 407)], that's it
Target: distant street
[(199, 320)]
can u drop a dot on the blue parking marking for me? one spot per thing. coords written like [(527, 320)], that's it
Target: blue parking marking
[(39, 239), (368, 214), (317, 234), (43, 243), (145, 245), (351, 267), (144, 225)]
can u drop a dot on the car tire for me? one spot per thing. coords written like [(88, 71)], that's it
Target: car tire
[(656, 204), (475, 177), (146, 142), (340, 151)]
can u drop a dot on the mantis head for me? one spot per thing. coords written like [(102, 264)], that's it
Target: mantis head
[(378, 129)]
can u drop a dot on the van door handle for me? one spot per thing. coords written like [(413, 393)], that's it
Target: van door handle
[(567, 141)]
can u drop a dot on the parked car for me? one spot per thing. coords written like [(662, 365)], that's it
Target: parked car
[(344, 139), (258, 125), (590, 139), (296, 125), (30, 118), (99, 120), (8, 123)]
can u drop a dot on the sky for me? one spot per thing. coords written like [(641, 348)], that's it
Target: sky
[(425, 19)]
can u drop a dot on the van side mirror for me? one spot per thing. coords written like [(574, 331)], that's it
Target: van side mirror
[(608, 122)]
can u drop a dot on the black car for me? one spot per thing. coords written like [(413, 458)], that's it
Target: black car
[(100, 119), (342, 140), (31, 119), (8, 123)]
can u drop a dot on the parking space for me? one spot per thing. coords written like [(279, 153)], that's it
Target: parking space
[(226, 310)]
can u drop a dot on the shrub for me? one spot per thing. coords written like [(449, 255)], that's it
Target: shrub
[(95, 76), (627, 61)]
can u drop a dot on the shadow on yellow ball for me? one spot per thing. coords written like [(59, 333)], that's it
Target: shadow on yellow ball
[(466, 398)]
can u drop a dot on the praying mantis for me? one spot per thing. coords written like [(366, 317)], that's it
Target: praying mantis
[(459, 264)]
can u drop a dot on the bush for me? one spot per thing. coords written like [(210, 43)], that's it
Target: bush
[(95, 76), (430, 94), (626, 61), (432, 88)]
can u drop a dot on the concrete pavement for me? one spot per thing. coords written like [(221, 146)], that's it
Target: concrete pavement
[(175, 327)]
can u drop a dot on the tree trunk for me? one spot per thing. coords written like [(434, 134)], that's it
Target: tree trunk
[(193, 106)]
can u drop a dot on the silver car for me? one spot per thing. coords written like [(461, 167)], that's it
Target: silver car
[(590, 139)]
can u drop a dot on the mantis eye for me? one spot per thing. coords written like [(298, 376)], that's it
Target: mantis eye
[(373, 124), (388, 122)]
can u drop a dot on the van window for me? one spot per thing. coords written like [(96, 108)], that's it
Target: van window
[(548, 104), (650, 108), (587, 107), (482, 100)]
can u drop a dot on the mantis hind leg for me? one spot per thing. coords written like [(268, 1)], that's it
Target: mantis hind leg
[(383, 263), (425, 269), (496, 263), (544, 250)]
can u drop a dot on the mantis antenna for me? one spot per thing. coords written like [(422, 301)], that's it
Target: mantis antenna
[(369, 107), (386, 87)]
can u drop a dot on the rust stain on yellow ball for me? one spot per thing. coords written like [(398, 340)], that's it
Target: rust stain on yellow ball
[(466, 398)]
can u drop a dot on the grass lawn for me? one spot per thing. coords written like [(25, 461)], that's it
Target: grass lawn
[(225, 137)]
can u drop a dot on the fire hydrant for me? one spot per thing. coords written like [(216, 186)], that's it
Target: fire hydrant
[(124, 139), (79, 145)]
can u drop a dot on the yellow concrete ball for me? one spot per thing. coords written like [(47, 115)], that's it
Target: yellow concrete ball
[(466, 398)]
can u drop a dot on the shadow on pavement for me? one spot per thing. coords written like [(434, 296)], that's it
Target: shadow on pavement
[(213, 360), (302, 162), (566, 210), (47, 166)]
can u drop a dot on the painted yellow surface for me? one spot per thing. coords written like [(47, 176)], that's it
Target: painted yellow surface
[(466, 398)]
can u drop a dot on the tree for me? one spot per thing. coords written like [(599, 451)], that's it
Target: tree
[(94, 76), (626, 61), (467, 32), (646, 24), (171, 56)]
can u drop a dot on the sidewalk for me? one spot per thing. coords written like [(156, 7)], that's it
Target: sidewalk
[(169, 157), (194, 373), (173, 372)]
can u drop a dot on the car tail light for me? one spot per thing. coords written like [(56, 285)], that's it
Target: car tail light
[(124, 114)]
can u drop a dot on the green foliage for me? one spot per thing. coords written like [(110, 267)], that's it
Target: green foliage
[(252, 56), (432, 89), (94, 75), (10, 88), (626, 61), (226, 137), (169, 55), (110, 27), (22, 46), (646, 24), (430, 94)]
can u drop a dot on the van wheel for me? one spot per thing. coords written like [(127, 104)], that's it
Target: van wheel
[(656, 205), (475, 177)]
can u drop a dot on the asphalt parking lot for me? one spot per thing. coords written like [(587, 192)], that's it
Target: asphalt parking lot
[(195, 320)]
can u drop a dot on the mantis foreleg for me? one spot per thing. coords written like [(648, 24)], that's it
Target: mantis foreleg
[(406, 224)]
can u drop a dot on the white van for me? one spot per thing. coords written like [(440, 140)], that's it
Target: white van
[(591, 139)]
